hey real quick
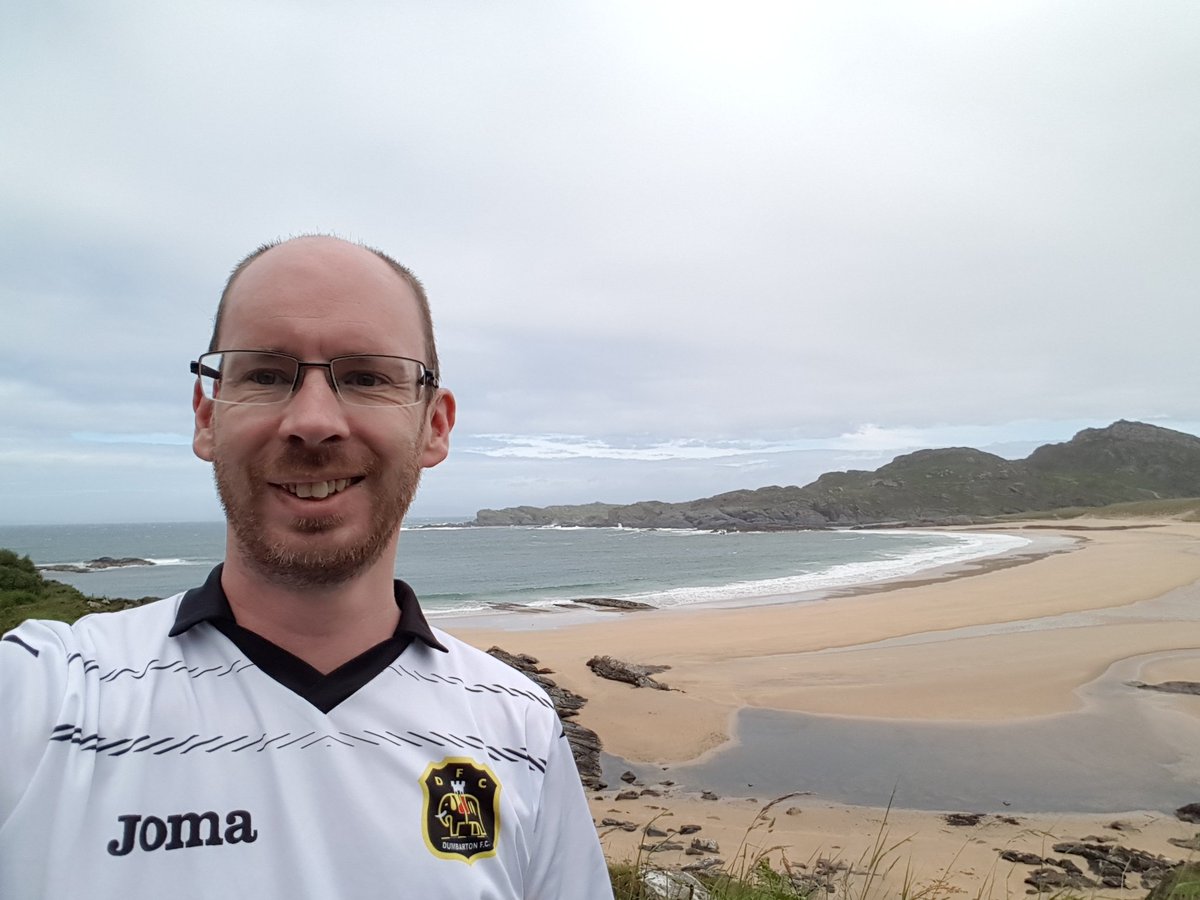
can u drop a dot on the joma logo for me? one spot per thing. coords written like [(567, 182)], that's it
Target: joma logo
[(182, 830)]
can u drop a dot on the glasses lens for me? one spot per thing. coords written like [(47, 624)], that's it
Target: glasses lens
[(247, 376), (378, 380)]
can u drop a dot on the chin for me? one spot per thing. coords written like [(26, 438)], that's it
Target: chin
[(312, 550), (309, 564)]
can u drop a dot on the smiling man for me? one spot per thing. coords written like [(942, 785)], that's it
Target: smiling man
[(294, 727)]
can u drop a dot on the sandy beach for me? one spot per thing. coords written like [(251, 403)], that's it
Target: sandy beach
[(963, 688)]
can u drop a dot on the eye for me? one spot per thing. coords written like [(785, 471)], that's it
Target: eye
[(265, 377), (365, 378)]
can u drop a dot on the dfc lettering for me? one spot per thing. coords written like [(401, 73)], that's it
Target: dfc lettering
[(181, 830)]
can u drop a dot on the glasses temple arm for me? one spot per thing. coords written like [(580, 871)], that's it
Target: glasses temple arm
[(198, 369)]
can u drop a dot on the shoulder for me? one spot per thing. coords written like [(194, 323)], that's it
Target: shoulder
[(465, 654), (51, 674), (94, 633), (486, 672)]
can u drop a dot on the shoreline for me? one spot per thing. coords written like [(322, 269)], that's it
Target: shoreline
[(570, 613), (772, 567), (781, 655), (1010, 643)]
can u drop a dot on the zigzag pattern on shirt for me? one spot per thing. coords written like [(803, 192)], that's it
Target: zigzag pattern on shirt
[(157, 665), (477, 688), (73, 734)]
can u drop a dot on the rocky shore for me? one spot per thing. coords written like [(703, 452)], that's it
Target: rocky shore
[(96, 565)]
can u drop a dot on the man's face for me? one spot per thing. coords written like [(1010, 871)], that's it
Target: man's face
[(314, 489)]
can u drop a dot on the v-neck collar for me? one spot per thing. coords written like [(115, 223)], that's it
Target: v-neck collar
[(208, 603)]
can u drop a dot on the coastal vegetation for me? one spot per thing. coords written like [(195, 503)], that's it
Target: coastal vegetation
[(26, 594), (1127, 462), (761, 870), (1185, 509)]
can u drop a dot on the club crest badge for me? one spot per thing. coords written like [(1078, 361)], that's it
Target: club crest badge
[(461, 812)]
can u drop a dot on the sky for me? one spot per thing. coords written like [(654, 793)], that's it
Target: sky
[(672, 248)]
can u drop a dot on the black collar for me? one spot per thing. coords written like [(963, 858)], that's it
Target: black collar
[(208, 603)]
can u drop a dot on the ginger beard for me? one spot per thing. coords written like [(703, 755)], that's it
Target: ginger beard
[(305, 562)]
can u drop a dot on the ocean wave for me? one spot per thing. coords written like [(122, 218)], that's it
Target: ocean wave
[(962, 547), (967, 547), (628, 529)]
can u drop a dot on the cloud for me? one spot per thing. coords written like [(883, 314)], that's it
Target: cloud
[(94, 437), (561, 446), (667, 245), (871, 437), (867, 441)]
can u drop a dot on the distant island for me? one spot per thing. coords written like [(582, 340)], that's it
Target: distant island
[(1127, 461), (95, 565)]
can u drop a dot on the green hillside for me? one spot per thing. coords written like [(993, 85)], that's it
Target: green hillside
[(1123, 463), (25, 594)]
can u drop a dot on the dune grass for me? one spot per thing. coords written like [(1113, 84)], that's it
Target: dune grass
[(760, 870), (1183, 884)]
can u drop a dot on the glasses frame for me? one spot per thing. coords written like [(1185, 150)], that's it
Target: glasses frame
[(427, 379)]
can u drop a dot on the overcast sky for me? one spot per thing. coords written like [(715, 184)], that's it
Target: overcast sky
[(673, 248)]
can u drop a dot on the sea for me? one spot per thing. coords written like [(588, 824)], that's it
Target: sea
[(458, 570)]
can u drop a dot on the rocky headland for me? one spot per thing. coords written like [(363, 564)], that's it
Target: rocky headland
[(1127, 461)]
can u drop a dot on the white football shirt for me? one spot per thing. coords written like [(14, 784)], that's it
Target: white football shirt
[(164, 751)]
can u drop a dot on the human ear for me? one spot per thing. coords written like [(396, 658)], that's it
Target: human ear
[(439, 421), (202, 437)]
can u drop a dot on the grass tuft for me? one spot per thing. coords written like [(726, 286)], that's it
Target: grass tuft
[(1182, 884), (762, 871)]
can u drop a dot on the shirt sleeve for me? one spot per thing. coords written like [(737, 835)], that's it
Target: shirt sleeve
[(33, 685), (566, 857)]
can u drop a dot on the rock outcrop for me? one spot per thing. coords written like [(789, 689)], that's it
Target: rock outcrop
[(95, 565), (1189, 812), (1169, 687), (585, 743), (629, 673), (1112, 862)]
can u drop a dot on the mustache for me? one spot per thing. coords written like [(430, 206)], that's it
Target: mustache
[(301, 459)]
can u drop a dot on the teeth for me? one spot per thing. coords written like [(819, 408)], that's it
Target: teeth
[(316, 490)]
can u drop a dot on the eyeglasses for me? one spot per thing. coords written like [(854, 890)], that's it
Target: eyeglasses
[(259, 376)]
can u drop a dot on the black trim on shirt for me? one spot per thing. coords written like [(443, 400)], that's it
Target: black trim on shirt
[(208, 603), (20, 643)]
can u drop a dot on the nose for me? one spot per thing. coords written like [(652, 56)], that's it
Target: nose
[(313, 413)]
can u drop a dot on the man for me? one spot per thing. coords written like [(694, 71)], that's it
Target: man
[(293, 728)]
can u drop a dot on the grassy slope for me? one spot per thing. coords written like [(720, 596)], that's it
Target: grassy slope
[(1186, 509), (25, 594)]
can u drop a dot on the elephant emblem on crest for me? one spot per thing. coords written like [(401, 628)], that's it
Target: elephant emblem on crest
[(458, 810)]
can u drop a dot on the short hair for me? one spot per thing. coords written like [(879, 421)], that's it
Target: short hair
[(431, 357)]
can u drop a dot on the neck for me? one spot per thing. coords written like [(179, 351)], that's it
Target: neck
[(325, 625)]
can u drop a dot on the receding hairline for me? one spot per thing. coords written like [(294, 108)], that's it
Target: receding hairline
[(406, 275)]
